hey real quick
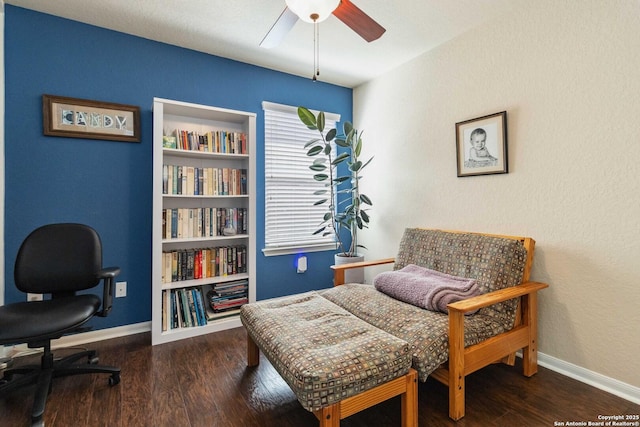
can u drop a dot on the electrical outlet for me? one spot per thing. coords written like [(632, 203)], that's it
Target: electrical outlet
[(34, 297), (121, 289)]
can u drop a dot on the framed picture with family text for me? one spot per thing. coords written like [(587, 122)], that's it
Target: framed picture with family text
[(481, 145), (83, 118)]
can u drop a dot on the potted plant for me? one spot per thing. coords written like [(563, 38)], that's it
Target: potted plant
[(346, 205)]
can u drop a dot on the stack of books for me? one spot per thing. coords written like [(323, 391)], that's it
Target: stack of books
[(229, 296)]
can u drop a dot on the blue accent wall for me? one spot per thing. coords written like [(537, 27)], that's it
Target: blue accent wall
[(107, 184)]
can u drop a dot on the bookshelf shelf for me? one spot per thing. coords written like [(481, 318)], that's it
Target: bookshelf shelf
[(201, 154), (185, 269), (202, 282), (205, 239), (202, 196)]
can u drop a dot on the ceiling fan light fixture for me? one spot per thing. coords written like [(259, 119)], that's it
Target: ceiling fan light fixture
[(307, 10)]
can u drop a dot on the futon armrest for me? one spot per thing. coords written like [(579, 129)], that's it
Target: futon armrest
[(108, 275), (338, 270), (485, 300)]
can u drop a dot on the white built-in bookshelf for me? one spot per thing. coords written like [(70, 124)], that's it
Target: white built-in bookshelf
[(204, 232)]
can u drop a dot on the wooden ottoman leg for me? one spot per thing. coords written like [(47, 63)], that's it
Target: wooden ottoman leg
[(329, 416), (406, 386), (253, 352)]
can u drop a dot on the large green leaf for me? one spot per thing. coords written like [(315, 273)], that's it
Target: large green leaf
[(365, 199), (307, 118), (320, 121), (320, 177), (319, 202), (365, 216), (342, 142), (312, 141), (319, 230), (368, 161), (355, 167), (317, 167), (315, 150), (341, 157), (358, 148), (347, 128), (330, 135), (319, 192)]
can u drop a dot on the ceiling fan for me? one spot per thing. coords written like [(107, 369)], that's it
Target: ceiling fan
[(315, 11)]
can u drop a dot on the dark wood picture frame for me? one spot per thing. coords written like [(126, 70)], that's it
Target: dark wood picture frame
[(481, 145), (83, 118)]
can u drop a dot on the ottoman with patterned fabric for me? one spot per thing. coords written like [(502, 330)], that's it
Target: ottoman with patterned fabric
[(328, 356)]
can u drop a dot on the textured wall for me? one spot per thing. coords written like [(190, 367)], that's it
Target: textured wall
[(567, 74)]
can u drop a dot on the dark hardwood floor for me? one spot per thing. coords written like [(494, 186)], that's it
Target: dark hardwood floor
[(204, 381)]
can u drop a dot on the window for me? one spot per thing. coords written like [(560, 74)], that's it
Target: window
[(290, 216)]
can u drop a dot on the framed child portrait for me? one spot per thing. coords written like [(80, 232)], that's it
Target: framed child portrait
[(481, 145)]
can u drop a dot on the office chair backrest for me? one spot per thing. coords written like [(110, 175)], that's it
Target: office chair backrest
[(59, 259)]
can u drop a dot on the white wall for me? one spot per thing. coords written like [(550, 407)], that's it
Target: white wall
[(568, 74)]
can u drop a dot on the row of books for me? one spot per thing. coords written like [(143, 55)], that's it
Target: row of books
[(186, 223), (194, 181), (215, 141), (183, 308), (190, 264), (198, 305)]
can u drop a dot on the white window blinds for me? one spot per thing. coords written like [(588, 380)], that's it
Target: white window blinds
[(290, 216)]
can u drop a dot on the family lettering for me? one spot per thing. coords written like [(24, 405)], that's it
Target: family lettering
[(93, 119)]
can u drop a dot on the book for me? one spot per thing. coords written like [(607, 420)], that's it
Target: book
[(169, 141)]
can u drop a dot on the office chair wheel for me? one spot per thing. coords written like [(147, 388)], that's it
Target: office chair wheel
[(114, 379)]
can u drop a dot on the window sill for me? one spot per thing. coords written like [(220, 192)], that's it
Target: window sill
[(291, 250)]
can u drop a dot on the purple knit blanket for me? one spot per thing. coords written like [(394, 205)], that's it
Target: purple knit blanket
[(425, 288)]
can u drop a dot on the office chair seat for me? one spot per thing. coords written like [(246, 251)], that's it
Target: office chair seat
[(55, 318)]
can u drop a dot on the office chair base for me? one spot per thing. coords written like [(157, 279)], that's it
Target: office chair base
[(42, 376)]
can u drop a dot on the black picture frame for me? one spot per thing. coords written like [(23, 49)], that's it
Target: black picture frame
[(481, 145)]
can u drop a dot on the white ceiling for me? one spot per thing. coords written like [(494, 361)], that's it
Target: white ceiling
[(234, 29)]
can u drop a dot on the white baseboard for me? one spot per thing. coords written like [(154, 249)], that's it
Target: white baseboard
[(81, 338), (101, 334), (610, 385)]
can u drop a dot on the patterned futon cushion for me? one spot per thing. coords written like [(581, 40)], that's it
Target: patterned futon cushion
[(426, 331), (494, 262), (324, 353)]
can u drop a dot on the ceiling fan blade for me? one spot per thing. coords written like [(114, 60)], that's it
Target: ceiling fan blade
[(280, 28), (358, 21)]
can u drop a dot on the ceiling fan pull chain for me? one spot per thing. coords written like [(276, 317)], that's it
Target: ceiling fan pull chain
[(316, 47)]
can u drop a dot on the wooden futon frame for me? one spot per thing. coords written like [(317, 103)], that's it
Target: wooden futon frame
[(502, 348)]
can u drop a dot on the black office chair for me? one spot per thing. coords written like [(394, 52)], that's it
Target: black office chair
[(56, 259)]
